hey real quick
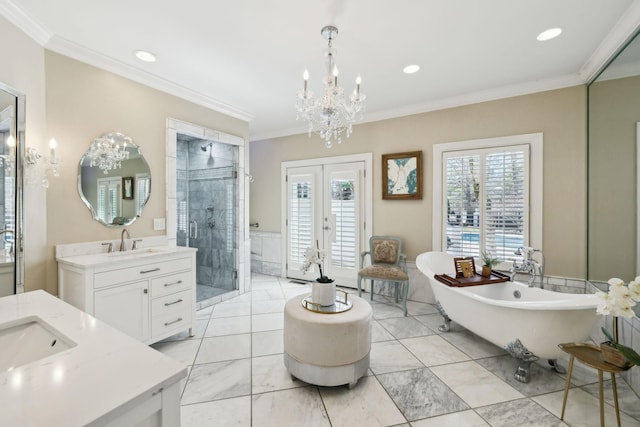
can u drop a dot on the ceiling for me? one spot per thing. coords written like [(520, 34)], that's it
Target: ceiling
[(246, 57)]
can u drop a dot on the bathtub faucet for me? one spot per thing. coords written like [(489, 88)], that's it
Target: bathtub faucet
[(528, 265)]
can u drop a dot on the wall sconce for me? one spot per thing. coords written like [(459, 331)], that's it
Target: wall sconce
[(38, 167)]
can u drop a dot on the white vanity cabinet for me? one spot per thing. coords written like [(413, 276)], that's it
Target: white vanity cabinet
[(149, 296)]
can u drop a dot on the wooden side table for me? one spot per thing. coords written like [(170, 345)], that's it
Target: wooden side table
[(591, 355)]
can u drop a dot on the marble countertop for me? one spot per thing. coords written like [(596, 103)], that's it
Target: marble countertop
[(104, 373), (97, 259)]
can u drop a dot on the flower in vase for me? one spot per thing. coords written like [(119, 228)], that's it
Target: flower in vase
[(314, 257), (618, 302)]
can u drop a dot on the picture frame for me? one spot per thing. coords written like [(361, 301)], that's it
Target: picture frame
[(127, 188), (402, 176)]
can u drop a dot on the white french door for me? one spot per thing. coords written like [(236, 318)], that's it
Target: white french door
[(327, 205)]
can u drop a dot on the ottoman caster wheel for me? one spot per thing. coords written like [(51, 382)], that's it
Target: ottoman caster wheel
[(352, 385)]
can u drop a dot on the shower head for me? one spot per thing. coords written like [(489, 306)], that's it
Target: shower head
[(204, 147)]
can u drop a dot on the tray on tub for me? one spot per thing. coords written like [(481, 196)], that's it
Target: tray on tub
[(496, 277)]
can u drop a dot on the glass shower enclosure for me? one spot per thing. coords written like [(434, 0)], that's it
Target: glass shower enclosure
[(207, 200)]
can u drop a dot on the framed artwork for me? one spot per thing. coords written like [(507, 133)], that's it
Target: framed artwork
[(402, 175), (127, 187)]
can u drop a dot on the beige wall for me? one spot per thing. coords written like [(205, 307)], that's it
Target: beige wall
[(559, 114), (84, 102), (613, 112), (22, 68)]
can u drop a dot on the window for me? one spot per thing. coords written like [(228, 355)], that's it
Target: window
[(488, 196), (143, 188), (109, 190)]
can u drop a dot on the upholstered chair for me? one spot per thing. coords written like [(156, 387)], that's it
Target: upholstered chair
[(388, 264)]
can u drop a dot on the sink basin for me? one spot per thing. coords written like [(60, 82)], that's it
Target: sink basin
[(141, 252), (27, 340)]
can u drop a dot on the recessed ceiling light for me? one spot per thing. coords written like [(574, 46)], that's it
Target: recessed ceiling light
[(410, 69), (549, 34), (145, 56)]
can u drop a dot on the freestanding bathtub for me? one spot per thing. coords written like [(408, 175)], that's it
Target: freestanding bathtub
[(505, 312)]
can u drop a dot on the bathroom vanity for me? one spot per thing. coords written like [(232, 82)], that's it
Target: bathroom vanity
[(147, 293), (62, 367)]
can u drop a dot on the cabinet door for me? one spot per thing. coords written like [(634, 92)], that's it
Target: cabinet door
[(125, 308)]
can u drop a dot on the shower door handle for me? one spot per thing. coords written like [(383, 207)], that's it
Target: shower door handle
[(193, 229)]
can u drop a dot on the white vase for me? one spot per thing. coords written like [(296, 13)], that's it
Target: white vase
[(323, 294)]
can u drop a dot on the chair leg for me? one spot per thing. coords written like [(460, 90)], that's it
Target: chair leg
[(371, 289), (405, 294), (359, 287), (396, 290)]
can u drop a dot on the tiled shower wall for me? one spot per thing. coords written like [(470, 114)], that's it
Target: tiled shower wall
[(206, 194)]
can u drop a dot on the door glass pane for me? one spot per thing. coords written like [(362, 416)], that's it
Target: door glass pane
[(300, 220), (343, 210)]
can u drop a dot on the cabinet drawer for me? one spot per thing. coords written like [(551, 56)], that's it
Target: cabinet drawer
[(180, 301), (143, 271), (175, 320), (166, 285)]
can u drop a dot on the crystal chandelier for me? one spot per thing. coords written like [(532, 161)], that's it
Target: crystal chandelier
[(107, 154), (331, 114)]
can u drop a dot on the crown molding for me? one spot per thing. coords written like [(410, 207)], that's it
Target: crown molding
[(509, 91), (83, 54), (620, 34), (25, 22), (48, 40)]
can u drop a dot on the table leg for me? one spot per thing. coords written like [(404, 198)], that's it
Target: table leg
[(601, 398), (566, 388), (615, 396)]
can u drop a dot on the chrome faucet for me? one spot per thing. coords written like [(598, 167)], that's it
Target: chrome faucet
[(528, 265), (123, 243)]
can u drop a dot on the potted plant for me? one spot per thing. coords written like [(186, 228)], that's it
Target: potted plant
[(618, 302), (489, 262), (323, 290)]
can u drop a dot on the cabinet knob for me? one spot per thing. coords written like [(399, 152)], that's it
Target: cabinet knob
[(146, 291)]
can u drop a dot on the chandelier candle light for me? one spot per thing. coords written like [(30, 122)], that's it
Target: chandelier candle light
[(107, 154), (331, 114)]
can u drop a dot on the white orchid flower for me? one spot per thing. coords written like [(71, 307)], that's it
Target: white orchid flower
[(614, 281), (634, 290), (604, 303)]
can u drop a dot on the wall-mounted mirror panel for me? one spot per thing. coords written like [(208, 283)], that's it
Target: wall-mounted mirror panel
[(613, 149), (12, 111), (114, 180)]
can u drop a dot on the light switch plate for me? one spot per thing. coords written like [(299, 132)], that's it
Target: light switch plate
[(158, 224)]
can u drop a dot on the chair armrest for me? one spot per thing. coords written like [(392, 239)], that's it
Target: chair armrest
[(362, 255)]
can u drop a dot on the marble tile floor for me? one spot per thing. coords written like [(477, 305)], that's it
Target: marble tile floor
[(418, 376)]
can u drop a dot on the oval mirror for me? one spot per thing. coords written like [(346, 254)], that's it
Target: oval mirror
[(114, 180)]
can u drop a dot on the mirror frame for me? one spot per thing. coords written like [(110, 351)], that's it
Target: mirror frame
[(20, 112), (94, 213)]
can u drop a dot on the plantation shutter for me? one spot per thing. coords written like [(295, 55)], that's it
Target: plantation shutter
[(343, 210), (487, 201), (109, 198), (462, 181), (300, 217), (506, 198)]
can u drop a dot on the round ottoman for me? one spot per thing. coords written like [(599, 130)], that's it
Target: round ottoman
[(327, 349)]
